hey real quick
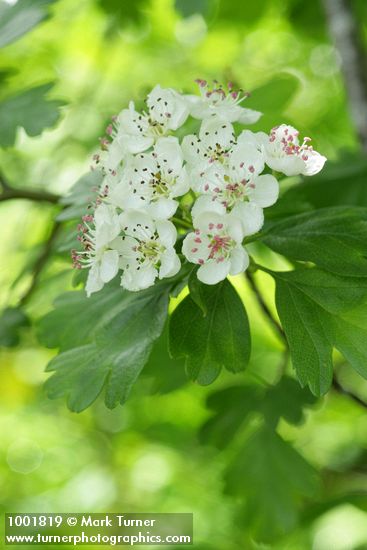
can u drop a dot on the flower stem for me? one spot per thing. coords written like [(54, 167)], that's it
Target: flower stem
[(182, 223)]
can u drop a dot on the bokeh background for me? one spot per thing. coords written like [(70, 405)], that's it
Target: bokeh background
[(147, 455)]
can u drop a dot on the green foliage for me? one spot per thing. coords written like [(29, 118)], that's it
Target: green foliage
[(82, 193), (335, 239), (275, 479), (12, 320), (340, 183), (319, 311), (106, 341), (221, 338), (20, 18), (233, 407), (29, 110)]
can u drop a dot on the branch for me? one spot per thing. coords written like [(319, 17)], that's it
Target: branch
[(41, 262), (264, 307), (10, 193), (345, 33)]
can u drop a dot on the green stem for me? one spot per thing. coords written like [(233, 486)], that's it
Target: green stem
[(182, 223)]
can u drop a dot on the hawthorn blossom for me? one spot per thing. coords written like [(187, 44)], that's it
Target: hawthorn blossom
[(135, 132), (206, 153), (216, 246), (146, 250), (221, 103), (96, 235), (236, 187), (284, 153), (151, 181)]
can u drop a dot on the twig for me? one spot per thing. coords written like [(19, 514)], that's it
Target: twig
[(41, 262), (345, 33), (264, 307), (10, 193)]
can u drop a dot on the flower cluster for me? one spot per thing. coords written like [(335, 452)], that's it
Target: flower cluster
[(226, 180)]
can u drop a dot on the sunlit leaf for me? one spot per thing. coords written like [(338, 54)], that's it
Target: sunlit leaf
[(20, 18), (29, 110)]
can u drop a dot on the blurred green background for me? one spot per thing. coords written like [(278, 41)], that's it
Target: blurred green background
[(147, 456)]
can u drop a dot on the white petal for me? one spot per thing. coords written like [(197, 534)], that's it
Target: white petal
[(234, 228), (239, 260), (167, 233), (248, 116), (168, 151), (314, 163), (162, 209), (250, 215), (247, 158), (109, 265), (205, 203), (135, 280), (195, 247), (111, 158), (125, 246), (265, 191), (214, 131), (94, 282), (137, 224), (181, 185), (252, 138), (192, 149), (213, 272), (170, 264), (135, 144), (290, 165), (206, 219)]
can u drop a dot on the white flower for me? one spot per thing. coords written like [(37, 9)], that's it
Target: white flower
[(135, 132), (206, 153), (284, 153), (146, 250), (224, 104), (96, 235), (151, 181), (216, 246), (237, 188)]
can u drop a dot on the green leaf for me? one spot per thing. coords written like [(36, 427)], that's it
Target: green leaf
[(286, 400), (12, 320), (335, 239), (118, 334), (82, 193), (166, 374), (29, 110), (319, 311), (20, 18), (273, 479), (233, 406), (339, 183), (196, 291), (220, 339)]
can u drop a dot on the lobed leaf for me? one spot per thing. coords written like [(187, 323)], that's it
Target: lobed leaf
[(20, 18), (320, 311), (29, 110), (219, 339), (274, 478), (335, 239)]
